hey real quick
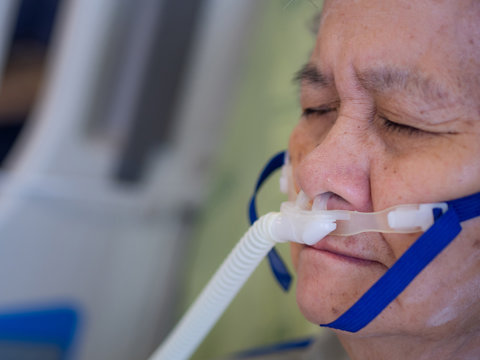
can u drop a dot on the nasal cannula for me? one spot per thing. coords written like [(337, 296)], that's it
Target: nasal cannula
[(303, 221)]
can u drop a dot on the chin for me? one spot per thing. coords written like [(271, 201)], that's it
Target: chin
[(321, 302), (326, 289)]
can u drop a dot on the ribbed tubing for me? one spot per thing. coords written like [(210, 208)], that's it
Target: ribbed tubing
[(219, 292)]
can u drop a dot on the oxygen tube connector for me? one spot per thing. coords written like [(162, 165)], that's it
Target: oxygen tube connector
[(303, 221)]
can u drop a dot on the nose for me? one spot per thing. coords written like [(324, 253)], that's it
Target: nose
[(337, 162)]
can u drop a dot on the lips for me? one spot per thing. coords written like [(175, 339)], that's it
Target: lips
[(348, 249)]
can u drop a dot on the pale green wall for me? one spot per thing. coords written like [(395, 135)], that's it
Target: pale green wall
[(263, 113)]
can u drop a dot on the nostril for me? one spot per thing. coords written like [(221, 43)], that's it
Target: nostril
[(337, 202), (320, 201)]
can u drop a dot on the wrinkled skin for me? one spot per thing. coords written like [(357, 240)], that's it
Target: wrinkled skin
[(391, 115)]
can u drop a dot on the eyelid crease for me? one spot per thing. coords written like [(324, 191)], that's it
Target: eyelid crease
[(399, 127)]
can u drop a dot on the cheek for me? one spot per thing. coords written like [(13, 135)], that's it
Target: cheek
[(437, 173), (298, 145), (421, 178), (397, 179), (303, 140), (307, 135), (294, 253), (446, 296)]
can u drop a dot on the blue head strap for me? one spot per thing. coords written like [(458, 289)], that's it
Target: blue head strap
[(277, 265), (405, 269)]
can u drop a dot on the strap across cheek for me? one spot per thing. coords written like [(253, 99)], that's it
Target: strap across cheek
[(397, 278), (410, 264)]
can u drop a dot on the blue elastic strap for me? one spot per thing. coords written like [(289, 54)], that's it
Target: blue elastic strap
[(277, 265), (410, 264)]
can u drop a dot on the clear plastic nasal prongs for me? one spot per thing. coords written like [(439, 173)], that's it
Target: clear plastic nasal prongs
[(308, 221)]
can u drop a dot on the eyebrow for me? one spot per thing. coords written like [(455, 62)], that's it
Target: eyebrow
[(380, 80), (313, 76), (413, 81)]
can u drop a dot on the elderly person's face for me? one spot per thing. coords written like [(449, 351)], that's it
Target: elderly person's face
[(391, 115)]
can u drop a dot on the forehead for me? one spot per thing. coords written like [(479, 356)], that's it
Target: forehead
[(434, 38), (399, 12), (371, 28)]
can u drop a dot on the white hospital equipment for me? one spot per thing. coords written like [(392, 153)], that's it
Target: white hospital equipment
[(97, 194)]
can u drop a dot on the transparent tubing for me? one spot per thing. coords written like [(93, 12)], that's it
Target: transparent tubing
[(220, 291)]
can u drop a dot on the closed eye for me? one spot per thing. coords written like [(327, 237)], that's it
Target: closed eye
[(400, 128), (321, 110)]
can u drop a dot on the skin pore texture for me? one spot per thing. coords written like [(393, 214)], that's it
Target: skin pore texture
[(391, 115)]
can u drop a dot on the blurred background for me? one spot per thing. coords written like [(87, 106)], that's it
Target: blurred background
[(131, 136)]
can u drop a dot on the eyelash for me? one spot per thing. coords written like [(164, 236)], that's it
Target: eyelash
[(319, 111), (399, 128)]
